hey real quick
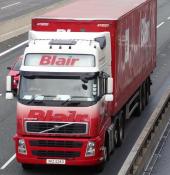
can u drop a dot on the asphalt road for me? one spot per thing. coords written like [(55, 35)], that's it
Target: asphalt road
[(161, 81), (13, 8)]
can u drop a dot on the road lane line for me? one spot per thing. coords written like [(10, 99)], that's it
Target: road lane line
[(168, 18), (160, 24), (10, 5), (13, 48), (8, 162)]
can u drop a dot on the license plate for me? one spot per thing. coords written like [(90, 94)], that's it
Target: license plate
[(56, 161)]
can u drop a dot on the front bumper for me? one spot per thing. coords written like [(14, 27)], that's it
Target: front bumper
[(46, 149)]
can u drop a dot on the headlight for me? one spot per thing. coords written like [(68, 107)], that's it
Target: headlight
[(90, 150), (22, 146)]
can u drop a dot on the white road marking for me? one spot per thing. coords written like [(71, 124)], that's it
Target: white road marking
[(168, 18), (160, 24), (10, 5), (8, 162), (13, 48)]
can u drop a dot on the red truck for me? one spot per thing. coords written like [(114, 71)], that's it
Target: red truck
[(85, 71)]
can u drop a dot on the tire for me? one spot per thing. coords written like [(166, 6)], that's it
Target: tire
[(26, 166), (139, 108), (106, 149), (100, 167), (114, 146), (146, 98), (147, 93), (143, 96), (120, 132)]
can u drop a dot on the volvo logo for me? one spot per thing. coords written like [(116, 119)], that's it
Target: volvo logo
[(57, 127)]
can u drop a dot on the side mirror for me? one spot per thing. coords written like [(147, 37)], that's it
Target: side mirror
[(9, 94), (109, 97), (109, 85)]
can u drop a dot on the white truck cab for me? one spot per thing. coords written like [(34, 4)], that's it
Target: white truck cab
[(74, 54)]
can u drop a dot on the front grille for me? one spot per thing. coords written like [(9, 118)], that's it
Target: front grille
[(51, 143), (56, 127), (56, 154)]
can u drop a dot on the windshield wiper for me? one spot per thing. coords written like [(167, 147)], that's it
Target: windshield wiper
[(72, 102), (69, 99), (35, 100)]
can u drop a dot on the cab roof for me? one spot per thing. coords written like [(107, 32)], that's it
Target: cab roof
[(94, 9)]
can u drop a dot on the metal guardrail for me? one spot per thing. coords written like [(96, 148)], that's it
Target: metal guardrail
[(147, 141)]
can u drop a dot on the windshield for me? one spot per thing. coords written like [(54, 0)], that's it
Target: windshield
[(57, 89)]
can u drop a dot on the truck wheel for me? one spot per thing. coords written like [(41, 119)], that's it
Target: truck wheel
[(139, 108), (100, 167), (26, 166), (147, 92), (119, 133), (114, 146), (144, 96), (106, 149)]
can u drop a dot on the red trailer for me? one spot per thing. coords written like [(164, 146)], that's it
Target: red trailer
[(132, 26), (102, 53)]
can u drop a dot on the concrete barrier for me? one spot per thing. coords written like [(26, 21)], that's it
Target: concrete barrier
[(16, 26), (148, 139)]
